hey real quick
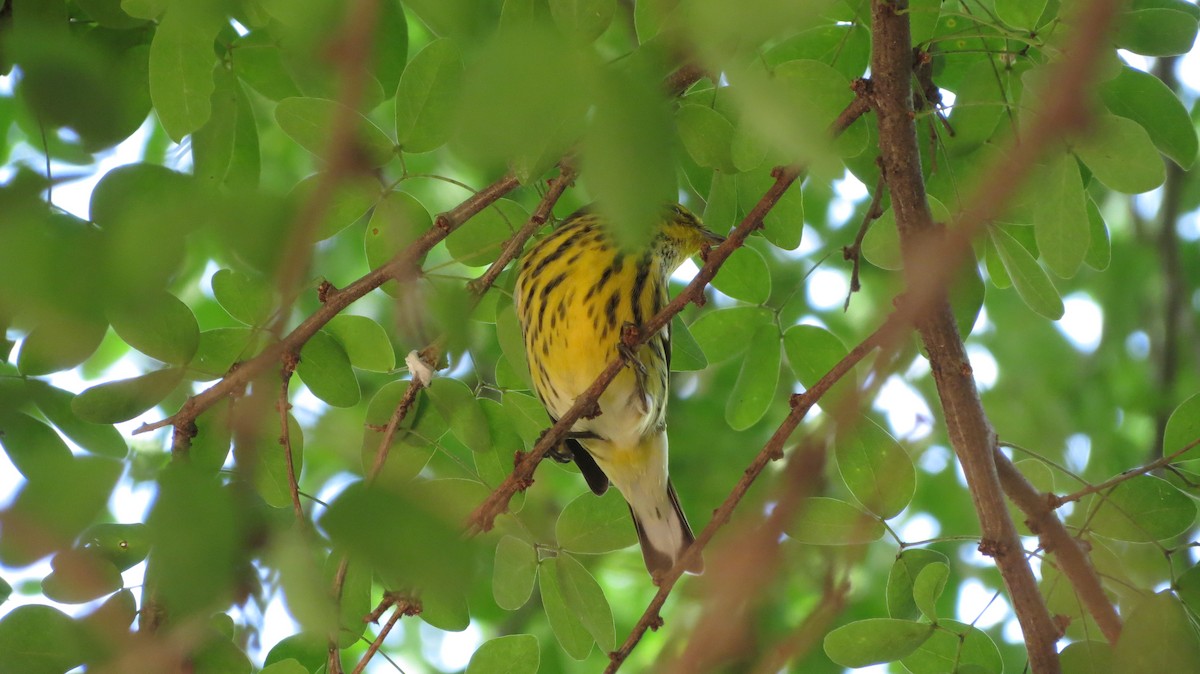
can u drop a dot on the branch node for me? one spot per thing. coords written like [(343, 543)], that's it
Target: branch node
[(442, 222), (993, 548), (325, 291)]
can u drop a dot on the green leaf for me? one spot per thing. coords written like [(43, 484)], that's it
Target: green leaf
[(1086, 657), (595, 524), (512, 342), (1121, 155), (829, 521), (928, 587), (309, 122), (1183, 428), (1144, 98), (819, 93), (876, 469), (566, 624), (901, 583), (181, 65), (100, 439), (1156, 31), (80, 576), (257, 60), (745, 276), (707, 135), (219, 349), (1020, 13), (352, 197), (398, 220), (979, 103), (307, 649), (784, 224), (124, 399), (194, 534), (60, 343), (325, 369), (160, 326), (1158, 637), (1143, 509), (874, 641), (686, 354), (458, 406), (1099, 252), (366, 342), (513, 654), (1031, 281), (812, 352), (52, 509), (726, 333), (754, 389), (955, 647), (247, 298), (145, 9), (584, 598), (125, 545), (289, 666), (881, 245), (33, 447), (586, 20), (628, 155), (1187, 585), (514, 573), (478, 241), (427, 97), (40, 640), (1060, 220), (528, 416)]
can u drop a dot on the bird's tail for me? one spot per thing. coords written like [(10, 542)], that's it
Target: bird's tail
[(663, 533)]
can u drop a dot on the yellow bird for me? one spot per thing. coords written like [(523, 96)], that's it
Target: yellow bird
[(576, 291)]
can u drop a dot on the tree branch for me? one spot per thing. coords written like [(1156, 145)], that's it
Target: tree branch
[(285, 435), (1073, 560), (401, 267), (484, 516), (801, 404), (967, 426)]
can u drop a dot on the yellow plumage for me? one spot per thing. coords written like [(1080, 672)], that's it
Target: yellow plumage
[(576, 291)]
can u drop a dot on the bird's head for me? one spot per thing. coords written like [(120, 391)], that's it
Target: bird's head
[(682, 235)]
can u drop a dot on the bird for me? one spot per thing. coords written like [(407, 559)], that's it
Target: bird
[(577, 291)]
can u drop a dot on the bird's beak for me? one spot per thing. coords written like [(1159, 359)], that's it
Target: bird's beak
[(713, 239)]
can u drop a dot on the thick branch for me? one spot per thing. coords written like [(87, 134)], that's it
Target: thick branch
[(967, 425), (1073, 560)]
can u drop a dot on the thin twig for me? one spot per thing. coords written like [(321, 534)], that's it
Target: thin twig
[(1059, 501), (810, 631), (853, 252), (772, 450), (285, 434), (513, 247), (404, 607)]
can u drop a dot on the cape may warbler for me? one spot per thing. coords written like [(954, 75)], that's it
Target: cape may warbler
[(576, 291)]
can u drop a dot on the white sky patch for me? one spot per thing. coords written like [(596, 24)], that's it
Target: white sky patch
[(850, 188), (982, 324), (75, 196), (983, 365), (969, 554), (919, 527), (810, 243), (1135, 60), (907, 413), (934, 459), (1082, 322), (276, 624), (1188, 227), (827, 289), (450, 651), (948, 97), (1137, 345), (1079, 451), (1188, 69), (686, 272), (972, 603)]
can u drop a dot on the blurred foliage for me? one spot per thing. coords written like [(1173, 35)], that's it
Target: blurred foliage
[(169, 278)]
